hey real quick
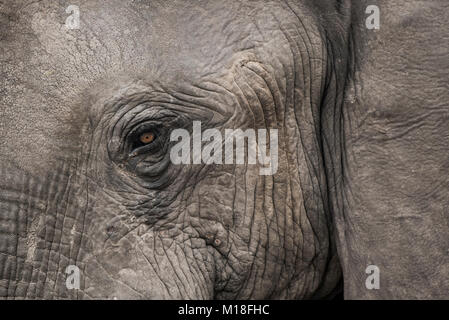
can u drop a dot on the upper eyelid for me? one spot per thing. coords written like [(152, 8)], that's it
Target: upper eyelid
[(147, 115)]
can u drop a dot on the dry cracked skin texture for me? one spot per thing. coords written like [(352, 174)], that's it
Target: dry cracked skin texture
[(362, 118)]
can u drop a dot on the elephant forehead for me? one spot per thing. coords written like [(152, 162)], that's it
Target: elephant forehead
[(48, 67), (169, 40)]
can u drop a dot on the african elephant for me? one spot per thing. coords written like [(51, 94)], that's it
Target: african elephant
[(87, 181)]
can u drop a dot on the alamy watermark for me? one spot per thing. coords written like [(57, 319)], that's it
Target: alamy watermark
[(73, 20), (373, 280), (373, 20), (190, 149), (73, 277)]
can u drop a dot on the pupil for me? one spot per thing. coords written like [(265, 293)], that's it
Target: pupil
[(146, 138)]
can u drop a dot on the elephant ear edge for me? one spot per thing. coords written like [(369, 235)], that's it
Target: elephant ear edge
[(387, 149)]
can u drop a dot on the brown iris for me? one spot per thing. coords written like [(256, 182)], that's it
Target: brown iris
[(147, 137)]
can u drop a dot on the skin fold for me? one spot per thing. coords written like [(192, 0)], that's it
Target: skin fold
[(388, 147), (361, 179)]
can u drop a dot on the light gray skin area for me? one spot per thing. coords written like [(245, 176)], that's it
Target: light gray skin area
[(363, 122)]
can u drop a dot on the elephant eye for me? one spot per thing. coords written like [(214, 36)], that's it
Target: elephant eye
[(144, 140), (147, 138)]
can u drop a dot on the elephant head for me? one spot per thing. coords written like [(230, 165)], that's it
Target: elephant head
[(93, 94), (87, 178)]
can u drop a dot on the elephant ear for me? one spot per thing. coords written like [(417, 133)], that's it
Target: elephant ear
[(386, 148)]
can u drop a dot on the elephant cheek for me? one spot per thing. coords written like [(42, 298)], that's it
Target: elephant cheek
[(39, 235), (148, 266)]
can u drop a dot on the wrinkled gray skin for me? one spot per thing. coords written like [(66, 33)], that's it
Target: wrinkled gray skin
[(363, 123)]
